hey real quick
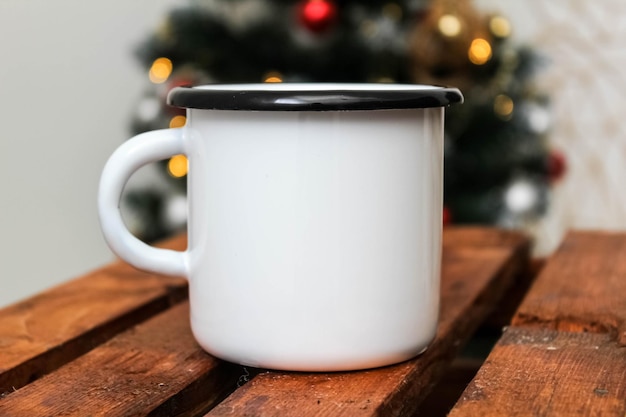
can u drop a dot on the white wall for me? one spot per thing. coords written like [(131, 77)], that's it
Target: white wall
[(585, 44), (68, 84)]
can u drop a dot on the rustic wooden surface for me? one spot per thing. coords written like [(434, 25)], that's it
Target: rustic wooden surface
[(475, 236), (583, 288), (42, 333), (564, 354), (474, 277), (539, 372), (156, 368)]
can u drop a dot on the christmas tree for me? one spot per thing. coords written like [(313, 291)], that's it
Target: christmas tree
[(498, 167)]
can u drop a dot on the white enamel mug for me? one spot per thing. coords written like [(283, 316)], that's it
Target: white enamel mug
[(314, 220)]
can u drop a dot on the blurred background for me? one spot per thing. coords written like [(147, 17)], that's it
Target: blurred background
[(538, 145)]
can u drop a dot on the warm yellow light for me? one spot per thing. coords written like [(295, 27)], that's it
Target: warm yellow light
[(178, 121), (500, 26), (479, 51), (273, 77), (449, 25), (177, 166), (160, 70), (503, 106)]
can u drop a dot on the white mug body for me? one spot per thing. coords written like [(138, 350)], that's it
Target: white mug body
[(314, 220), (314, 237)]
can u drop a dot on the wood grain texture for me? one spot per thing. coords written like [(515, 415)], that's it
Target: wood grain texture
[(582, 288), (480, 236), (155, 368), (48, 330), (541, 372), (474, 277), (475, 236)]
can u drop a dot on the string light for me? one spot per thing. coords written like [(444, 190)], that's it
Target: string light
[(178, 121), (273, 77), (160, 70), (503, 106), (449, 25), (177, 166), (479, 51), (500, 27)]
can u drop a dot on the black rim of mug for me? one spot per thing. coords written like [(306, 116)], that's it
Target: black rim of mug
[(316, 98)]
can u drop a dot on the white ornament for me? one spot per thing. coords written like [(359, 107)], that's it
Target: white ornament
[(585, 79), (538, 117), (521, 197)]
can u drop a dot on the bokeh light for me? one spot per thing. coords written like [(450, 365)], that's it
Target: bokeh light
[(177, 166), (160, 70), (479, 51), (273, 77), (521, 197), (178, 121), (449, 25), (500, 27), (503, 106)]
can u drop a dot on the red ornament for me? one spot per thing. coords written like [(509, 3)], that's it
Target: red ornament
[(447, 216), (318, 15), (557, 165)]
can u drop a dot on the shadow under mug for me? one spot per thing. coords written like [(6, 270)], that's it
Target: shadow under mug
[(314, 220)]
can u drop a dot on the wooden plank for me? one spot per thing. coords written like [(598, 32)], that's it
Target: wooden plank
[(46, 331), (480, 236), (155, 368), (474, 277), (541, 372), (582, 288)]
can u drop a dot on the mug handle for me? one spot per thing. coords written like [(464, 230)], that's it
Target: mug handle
[(128, 158)]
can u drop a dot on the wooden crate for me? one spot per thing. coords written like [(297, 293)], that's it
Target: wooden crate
[(117, 342)]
